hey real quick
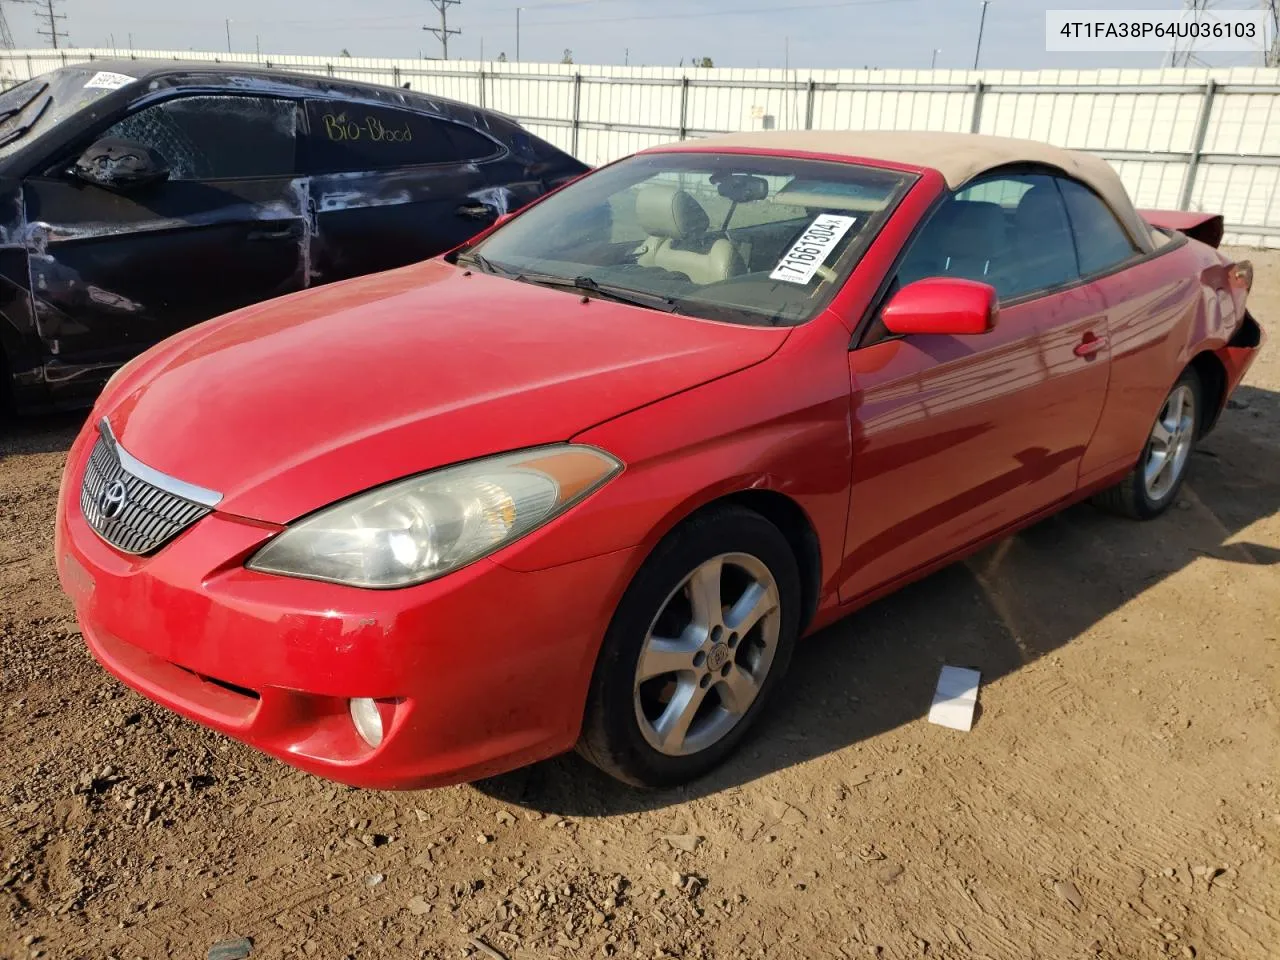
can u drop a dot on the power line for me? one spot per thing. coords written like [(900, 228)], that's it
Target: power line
[(442, 32), (48, 18), (738, 11), (6, 35)]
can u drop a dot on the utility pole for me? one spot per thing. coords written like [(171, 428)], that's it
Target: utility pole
[(6, 36), (933, 65), (228, 35), (1271, 55), (518, 9), (46, 13), (442, 32), (981, 24)]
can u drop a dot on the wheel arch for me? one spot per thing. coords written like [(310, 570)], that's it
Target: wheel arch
[(1213, 388), (796, 526)]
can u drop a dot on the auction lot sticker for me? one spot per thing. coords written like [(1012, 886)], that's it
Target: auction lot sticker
[(105, 80), (810, 252)]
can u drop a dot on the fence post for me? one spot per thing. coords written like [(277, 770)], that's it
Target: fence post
[(395, 74), (482, 96), (577, 110), (1197, 147), (808, 108), (684, 107), (975, 122)]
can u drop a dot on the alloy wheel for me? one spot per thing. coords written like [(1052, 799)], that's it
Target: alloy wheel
[(706, 654), (1170, 443)]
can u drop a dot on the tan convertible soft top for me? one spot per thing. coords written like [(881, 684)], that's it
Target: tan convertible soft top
[(959, 157)]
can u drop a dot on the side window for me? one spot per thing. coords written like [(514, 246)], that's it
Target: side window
[(1009, 231), (471, 144), (1100, 240), (217, 137), (354, 137)]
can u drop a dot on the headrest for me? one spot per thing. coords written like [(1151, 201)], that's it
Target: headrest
[(670, 212), (972, 224), (1040, 210)]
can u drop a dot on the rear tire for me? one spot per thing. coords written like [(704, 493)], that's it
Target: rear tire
[(697, 646), (1152, 486)]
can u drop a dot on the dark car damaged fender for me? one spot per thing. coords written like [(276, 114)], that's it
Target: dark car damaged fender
[(91, 275)]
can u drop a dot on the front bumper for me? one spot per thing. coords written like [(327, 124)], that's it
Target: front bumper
[(488, 667)]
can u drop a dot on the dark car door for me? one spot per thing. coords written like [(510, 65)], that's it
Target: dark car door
[(115, 270), (392, 186)]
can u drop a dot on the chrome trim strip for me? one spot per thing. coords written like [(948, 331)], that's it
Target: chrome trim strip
[(179, 488)]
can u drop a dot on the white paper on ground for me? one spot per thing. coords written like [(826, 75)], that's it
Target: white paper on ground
[(955, 699)]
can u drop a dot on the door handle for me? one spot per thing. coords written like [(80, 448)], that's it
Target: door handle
[(477, 211), (1090, 345), (260, 235)]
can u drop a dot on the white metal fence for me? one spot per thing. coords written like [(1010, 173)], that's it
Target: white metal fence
[(1180, 139)]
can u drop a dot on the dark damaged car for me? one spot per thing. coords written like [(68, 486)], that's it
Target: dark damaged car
[(139, 198)]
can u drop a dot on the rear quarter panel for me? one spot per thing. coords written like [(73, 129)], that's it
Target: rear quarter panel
[(1161, 313)]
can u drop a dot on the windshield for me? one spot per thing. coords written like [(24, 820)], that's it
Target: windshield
[(748, 239), (30, 108)]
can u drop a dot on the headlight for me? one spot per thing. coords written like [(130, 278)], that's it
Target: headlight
[(418, 529)]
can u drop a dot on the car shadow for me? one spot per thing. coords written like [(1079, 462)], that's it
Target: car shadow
[(52, 433), (1005, 607)]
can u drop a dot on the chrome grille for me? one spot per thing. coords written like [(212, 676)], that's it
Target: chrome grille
[(130, 513)]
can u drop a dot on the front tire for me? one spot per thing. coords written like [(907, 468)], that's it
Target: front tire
[(1152, 486), (696, 648)]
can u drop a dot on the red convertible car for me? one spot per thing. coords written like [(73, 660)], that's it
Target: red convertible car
[(586, 480)]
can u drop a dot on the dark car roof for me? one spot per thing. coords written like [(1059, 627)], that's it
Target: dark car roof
[(158, 78), (175, 73)]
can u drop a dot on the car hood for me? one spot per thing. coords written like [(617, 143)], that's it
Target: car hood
[(290, 405)]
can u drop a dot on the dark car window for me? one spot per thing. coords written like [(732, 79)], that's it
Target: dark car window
[(217, 137), (1101, 241), (1009, 231), (352, 137), (471, 144)]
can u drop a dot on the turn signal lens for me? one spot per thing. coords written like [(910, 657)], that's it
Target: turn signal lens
[(1241, 275)]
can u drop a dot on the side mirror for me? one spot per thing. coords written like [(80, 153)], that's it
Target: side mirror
[(942, 305), (120, 165)]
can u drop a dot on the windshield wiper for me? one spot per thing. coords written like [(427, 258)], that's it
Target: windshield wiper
[(588, 285), (471, 259), (18, 132), (13, 111)]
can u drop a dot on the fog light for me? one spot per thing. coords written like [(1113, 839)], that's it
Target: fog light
[(368, 720)]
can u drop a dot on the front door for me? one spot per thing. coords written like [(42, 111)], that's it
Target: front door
[(957, 437), (113, 272)]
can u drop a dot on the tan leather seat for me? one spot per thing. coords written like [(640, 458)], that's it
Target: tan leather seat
[(679, 238)]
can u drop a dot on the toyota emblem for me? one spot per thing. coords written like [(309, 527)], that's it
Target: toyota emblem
[(113, 499)]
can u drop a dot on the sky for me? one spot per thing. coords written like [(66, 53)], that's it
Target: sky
[(733, 33)]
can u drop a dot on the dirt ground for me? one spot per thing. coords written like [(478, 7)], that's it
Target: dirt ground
[(1119, 795)]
